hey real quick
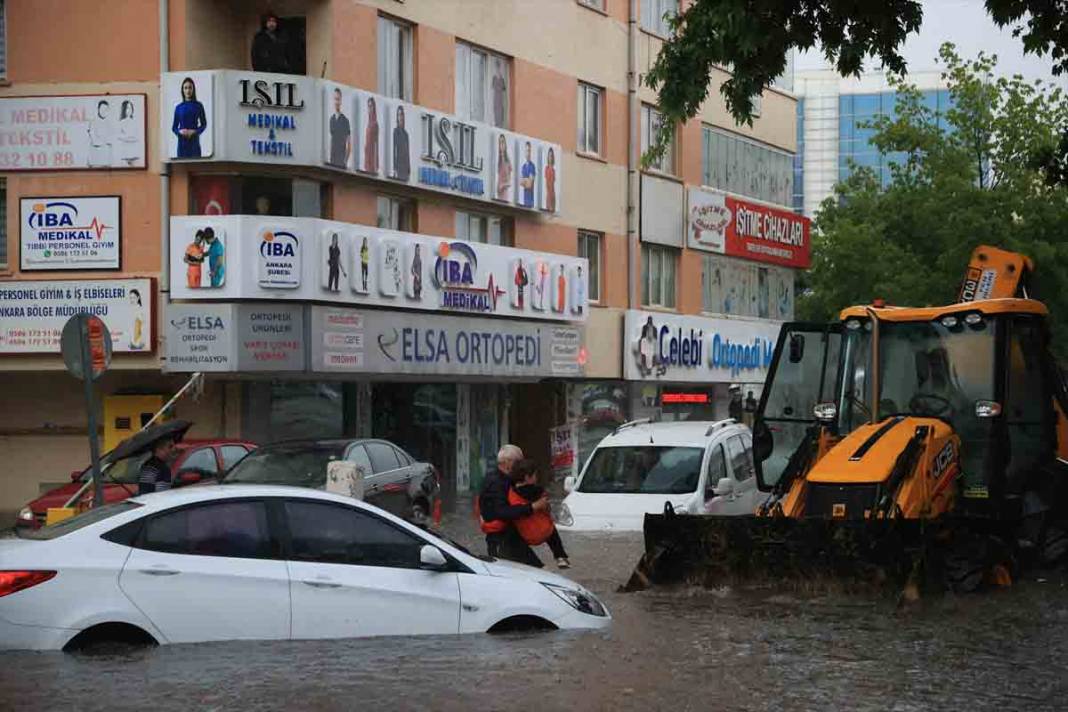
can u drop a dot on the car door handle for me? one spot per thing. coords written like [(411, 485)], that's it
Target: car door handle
[(160, 572), (321, 584)]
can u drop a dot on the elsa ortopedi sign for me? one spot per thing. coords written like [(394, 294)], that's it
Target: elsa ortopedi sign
[(70, 233)]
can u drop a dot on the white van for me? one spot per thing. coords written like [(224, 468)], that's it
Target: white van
[(699, 467)]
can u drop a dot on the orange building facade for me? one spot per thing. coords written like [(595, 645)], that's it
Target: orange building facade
[(536, 171)]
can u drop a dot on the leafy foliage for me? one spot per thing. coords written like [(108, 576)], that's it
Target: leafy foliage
[(962, 183), (753, 37)]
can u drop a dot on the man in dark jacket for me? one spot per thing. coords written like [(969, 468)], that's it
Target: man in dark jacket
[(156, 473), (270, 48), (498, 515)]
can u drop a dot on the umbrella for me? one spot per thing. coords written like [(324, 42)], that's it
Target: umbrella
[(147, 438)]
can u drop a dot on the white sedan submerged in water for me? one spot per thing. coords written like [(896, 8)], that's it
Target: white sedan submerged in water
[(262, 562)]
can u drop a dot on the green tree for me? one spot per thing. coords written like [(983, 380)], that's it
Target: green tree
[(958, 183), (753, 37)]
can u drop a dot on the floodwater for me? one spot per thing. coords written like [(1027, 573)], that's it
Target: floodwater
[(681, 649)]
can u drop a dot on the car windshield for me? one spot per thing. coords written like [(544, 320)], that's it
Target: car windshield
[(73, 524), (926, 369), (297, 465), (643, 469)]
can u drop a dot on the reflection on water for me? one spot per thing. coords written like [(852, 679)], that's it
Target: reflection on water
[(679, 649)]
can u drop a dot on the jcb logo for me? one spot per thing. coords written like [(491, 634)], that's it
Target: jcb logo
[(943, 460)]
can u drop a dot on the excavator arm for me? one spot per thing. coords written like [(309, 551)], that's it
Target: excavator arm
[(996, 274)]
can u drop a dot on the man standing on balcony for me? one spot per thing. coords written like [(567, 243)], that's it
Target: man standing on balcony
[(270, 48)]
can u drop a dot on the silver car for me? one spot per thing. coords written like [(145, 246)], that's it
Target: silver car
[(393, 480)]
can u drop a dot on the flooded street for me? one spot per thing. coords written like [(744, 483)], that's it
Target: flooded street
[(681, 649)]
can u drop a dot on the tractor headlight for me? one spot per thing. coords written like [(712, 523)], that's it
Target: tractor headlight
[(581, 601), (25, 514)]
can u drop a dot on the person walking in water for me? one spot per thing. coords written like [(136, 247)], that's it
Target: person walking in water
[(498, 517)]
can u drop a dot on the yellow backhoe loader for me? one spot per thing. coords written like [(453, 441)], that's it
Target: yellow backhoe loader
[(905, 445)]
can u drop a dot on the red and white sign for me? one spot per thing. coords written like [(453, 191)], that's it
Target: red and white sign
[(740, 228)]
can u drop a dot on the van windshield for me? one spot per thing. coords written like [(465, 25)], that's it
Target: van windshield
[(643, 470)]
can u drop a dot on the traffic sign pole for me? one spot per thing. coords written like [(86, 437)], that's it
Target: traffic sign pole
[(87, 378)]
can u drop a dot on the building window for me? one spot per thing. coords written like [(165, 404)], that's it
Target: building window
[(3, 44), (3, 223), (655, 16), (590, 108), (394, 59), (483, 80), (744, 288), (651, 119), (589, 246), (658, 276), (484, 228), (396, 213), (744, 167), (595, 4)]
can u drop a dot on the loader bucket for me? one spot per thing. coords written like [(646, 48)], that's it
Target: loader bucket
[(714, 551)]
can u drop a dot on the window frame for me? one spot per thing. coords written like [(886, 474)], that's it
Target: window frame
[(655, 23), (593, 289), (196, 451), (506, 231), (405, 54), (648, 113), (280, 518), (710, 483), (5, 254), (462, 103), (600, 6), (660, 251), (388, 447), (582, 142), (3, 40), (400, 215), (273, 534)]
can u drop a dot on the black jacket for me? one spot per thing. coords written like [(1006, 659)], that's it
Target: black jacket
[(493, 500), (271, 53)]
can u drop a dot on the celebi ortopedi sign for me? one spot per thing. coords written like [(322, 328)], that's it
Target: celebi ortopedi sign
[(676, 348), (32, 313)]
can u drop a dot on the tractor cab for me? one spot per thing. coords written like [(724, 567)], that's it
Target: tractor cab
[(980, 367)]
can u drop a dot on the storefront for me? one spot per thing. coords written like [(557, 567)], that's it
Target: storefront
[(340, 330)]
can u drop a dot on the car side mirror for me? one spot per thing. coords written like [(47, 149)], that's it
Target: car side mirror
[(725, 487), (75, 475), (763, 443), (189, 477), (431, 558), (569, 484)]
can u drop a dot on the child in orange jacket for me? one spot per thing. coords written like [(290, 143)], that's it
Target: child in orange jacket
[(537, 528)]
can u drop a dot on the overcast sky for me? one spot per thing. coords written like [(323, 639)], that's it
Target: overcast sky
[(966, 24)]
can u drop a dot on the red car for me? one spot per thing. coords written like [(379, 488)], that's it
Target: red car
[(195, 460)]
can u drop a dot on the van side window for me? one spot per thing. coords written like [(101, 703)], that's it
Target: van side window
[(741, 458), (717, 470)]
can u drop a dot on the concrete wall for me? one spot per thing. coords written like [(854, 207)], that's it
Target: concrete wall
[(43, 433)]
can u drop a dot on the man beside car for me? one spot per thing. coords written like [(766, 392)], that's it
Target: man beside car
[(498, 516), (156, 473)]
